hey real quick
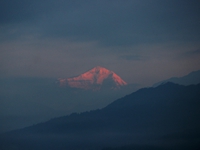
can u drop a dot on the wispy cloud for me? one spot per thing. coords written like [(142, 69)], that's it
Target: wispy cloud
[(112, 23), (131, 57), (194, 52), (190, 53)]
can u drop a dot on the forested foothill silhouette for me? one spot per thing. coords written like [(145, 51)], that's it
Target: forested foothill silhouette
[(162, 117)]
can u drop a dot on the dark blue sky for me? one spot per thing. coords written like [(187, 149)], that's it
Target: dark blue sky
[(143, 41)]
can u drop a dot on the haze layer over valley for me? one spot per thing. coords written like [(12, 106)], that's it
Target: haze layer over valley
[(27, 101), (164, 117)]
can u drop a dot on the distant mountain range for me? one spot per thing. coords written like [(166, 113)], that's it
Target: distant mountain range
[(162, 117), (191, 78), (27, 100), (95, 79)]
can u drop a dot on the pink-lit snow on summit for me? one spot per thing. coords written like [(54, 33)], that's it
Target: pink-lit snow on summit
[(94, 79)]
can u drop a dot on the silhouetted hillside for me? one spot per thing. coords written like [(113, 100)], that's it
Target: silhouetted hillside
[(25, 101), (165, 117)]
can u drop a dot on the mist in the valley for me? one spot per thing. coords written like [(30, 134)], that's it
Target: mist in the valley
[(163, 117), (27, 101)]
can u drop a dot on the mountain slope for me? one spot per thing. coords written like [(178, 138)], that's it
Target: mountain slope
[(191, 78), (30, 100), (95, 79), (166, 116)]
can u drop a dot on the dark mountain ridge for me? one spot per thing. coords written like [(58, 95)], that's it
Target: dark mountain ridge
[(149, 116), (30, 100), (191, 78)]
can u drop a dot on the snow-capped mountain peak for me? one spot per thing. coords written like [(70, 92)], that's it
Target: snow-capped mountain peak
[(94, 79)]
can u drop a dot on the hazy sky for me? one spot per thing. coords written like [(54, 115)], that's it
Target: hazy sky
[(143, 41)]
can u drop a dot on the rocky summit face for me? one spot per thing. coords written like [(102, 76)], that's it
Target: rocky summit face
[(94, 79)]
